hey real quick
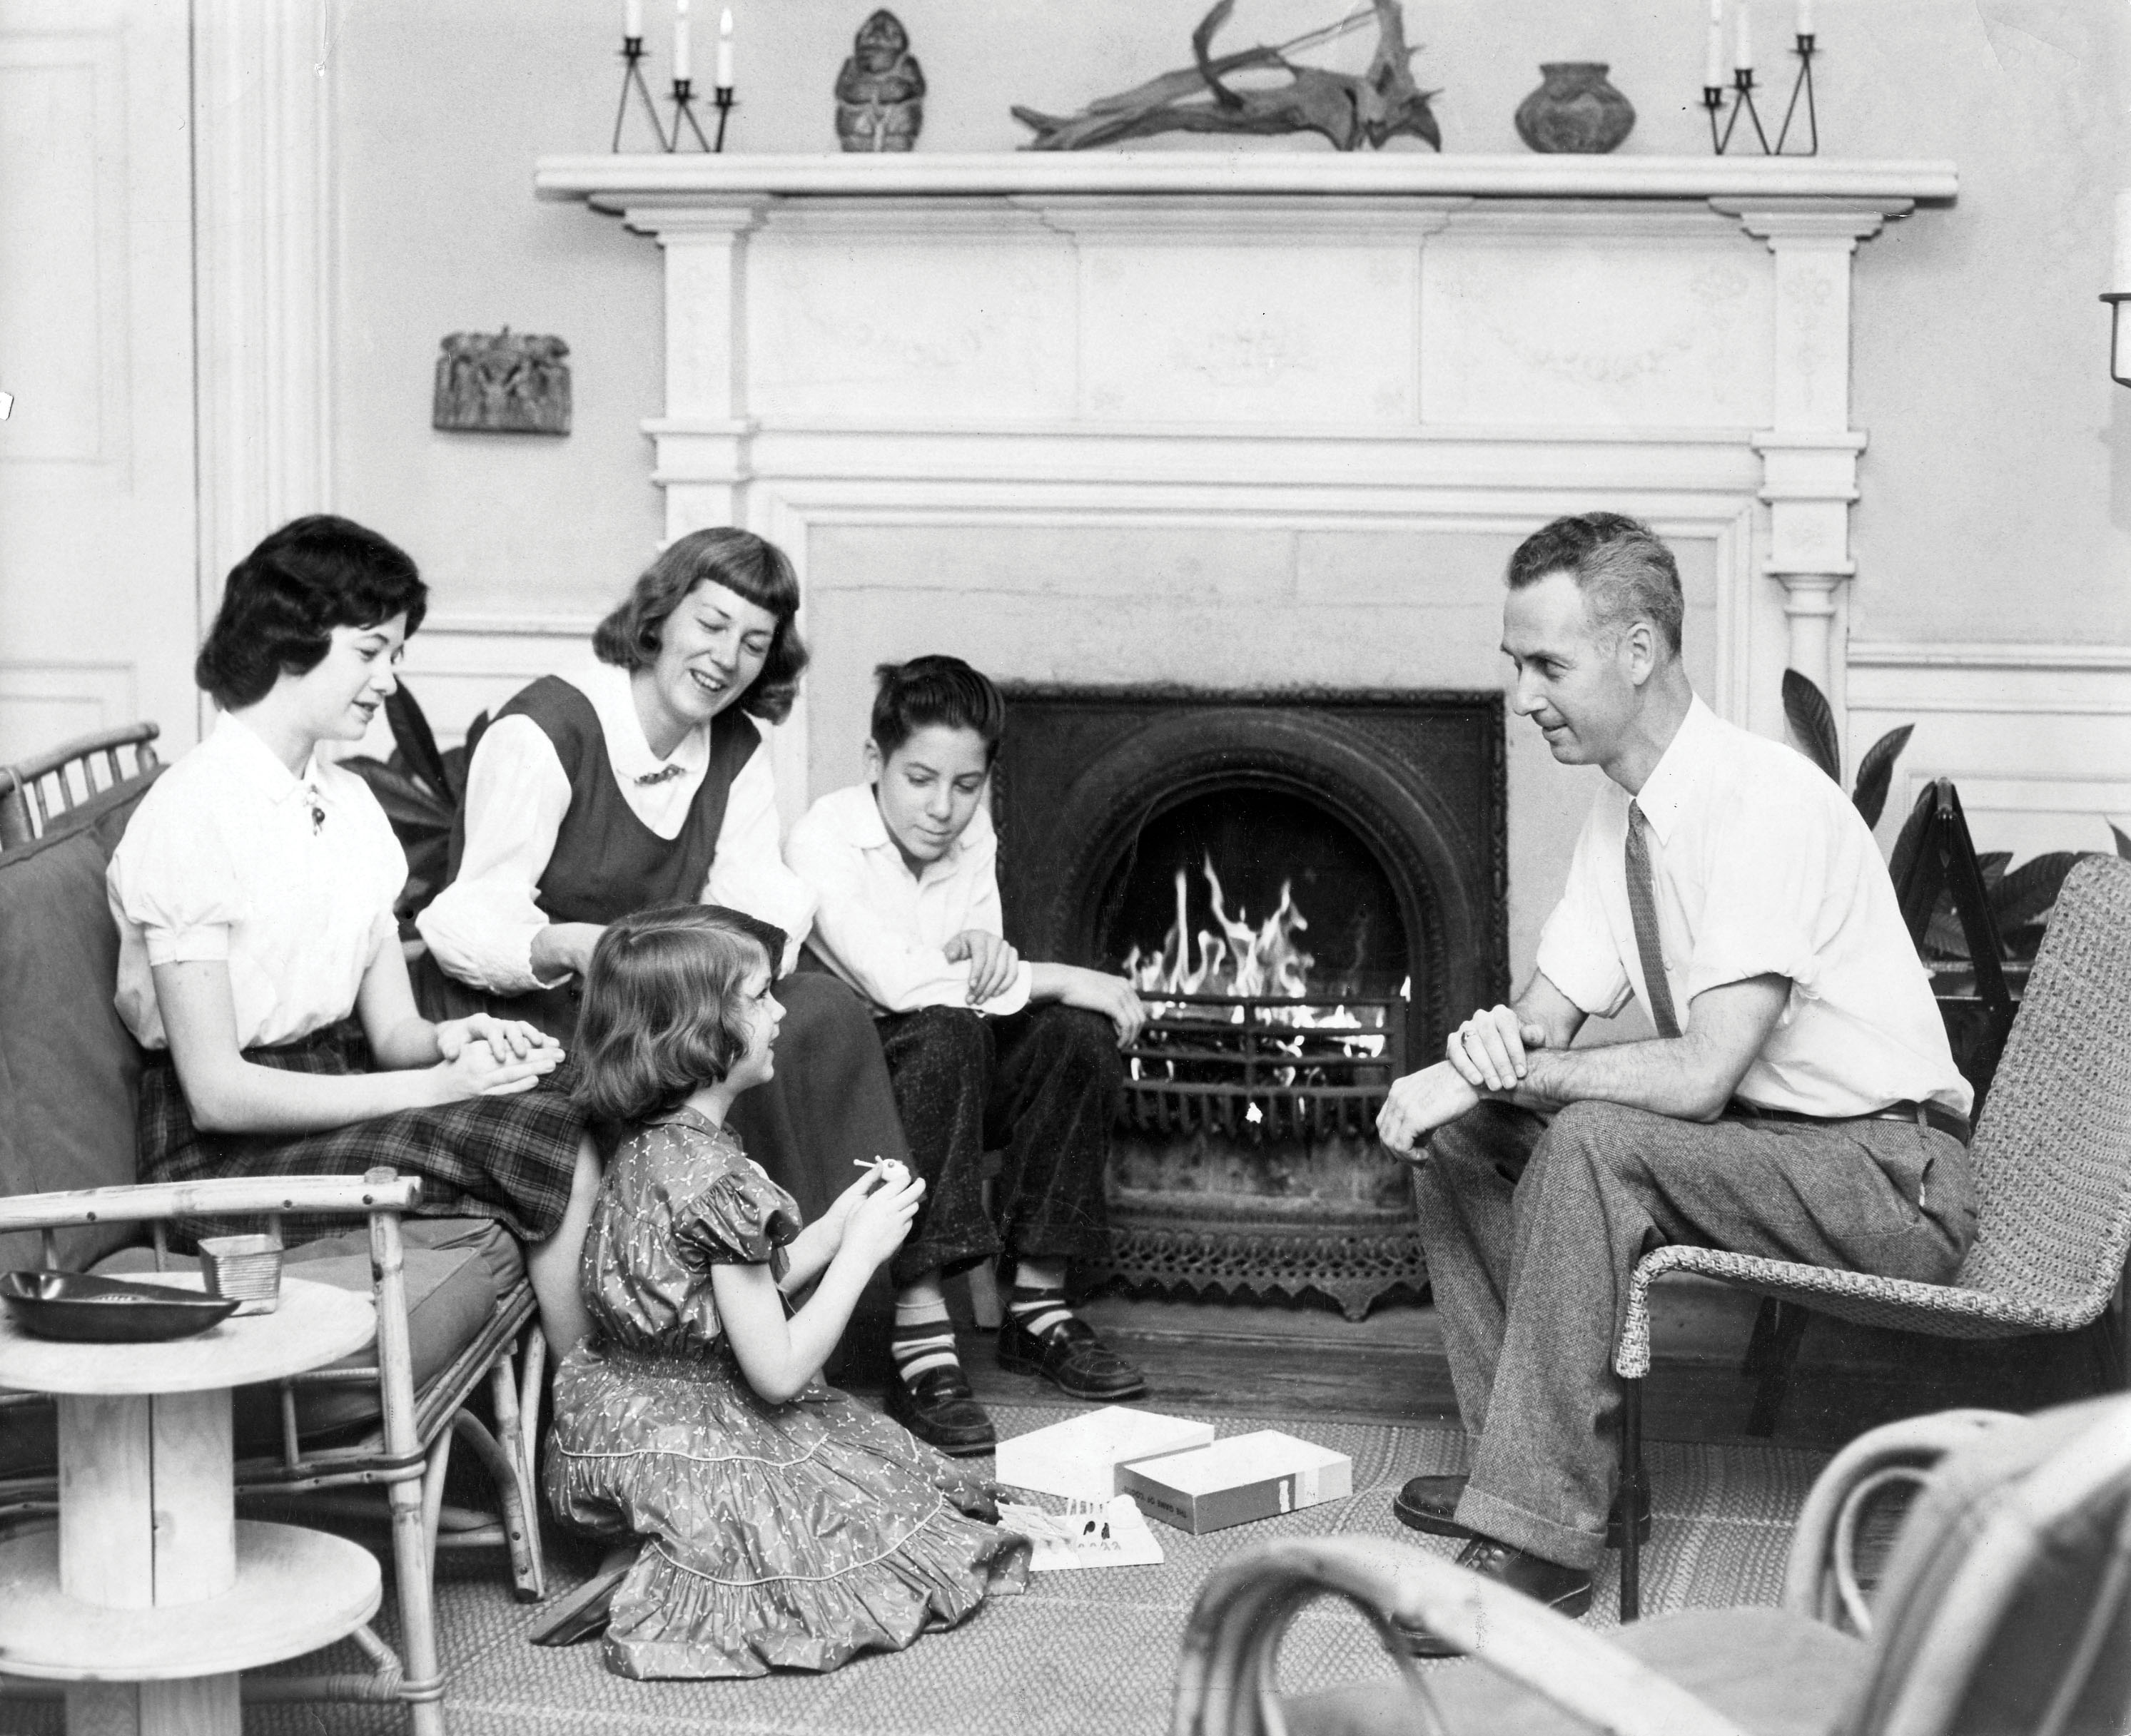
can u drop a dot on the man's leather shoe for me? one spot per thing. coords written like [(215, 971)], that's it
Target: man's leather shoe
[(1430, 1503), (939, 1407), (1071, 1358), (1565, 1591)]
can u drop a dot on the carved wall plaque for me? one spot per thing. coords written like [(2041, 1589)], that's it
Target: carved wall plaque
[(502, 382)]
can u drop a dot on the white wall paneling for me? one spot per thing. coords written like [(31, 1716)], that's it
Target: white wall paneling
[(44, 704), (96, 465), (2038, 737), (263, 75)]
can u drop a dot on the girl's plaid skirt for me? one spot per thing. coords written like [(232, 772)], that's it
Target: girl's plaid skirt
[(508, 1158)]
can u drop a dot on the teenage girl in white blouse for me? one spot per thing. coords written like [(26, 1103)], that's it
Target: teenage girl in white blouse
[(259, 961)]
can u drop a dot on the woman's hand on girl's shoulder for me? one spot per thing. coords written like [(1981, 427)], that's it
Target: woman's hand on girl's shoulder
[(507, 1039), (475, 1072)]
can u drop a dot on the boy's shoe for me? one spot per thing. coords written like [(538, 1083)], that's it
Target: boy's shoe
[(939, 1408), (1565, 1591), (1430, 1505), (1071, 1358)]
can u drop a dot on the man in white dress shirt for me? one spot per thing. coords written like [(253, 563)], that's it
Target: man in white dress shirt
[(986, 1050), (1799, 1100)]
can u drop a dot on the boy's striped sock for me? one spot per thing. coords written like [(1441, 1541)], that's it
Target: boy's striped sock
[(1037, 1308), (924, 1339)]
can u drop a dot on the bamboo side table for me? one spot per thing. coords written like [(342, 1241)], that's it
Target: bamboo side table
[(150, 1596)]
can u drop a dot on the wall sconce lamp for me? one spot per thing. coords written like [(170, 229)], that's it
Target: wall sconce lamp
[(2120, 293)]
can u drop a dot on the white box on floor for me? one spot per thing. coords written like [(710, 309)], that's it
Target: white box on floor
[(1245, 1477), (1081, 1457)]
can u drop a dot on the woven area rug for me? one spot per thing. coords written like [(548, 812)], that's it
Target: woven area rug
[(1080, 1652)]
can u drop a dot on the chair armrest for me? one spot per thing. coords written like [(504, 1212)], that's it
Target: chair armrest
[(1231, 1644), (379, 1190), (1818, 1576)]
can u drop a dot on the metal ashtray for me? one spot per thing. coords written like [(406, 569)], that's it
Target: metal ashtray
[(247, 1268)]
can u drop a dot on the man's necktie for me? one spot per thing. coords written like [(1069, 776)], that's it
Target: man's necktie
[(1643, 906)]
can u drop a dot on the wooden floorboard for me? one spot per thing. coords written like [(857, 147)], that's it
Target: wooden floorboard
[(1297, 1362)]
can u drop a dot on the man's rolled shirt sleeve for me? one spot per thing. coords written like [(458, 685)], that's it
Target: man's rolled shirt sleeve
[(1577, 952)]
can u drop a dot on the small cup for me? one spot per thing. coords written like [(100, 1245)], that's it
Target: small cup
[(245, 1269)]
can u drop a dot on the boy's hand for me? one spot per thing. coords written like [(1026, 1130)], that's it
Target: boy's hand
[(992, 963), (1112, 997), (880, 1222)]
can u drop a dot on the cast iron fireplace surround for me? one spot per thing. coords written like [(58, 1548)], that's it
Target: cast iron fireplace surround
[(1237, 1169)]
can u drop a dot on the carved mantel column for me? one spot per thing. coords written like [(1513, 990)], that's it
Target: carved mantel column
[(704, 438), (1809, 457)]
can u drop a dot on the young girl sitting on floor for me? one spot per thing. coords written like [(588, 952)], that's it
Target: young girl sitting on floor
[(786, 1525)]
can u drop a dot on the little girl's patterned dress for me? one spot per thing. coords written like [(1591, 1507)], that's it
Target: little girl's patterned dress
[(786, 1536)]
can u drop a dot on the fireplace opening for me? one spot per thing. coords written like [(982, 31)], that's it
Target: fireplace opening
[(1194, 895), (1307, 890)]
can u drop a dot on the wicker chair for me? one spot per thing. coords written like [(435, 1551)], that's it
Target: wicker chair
[(2002, 1607), (49, 781), (2053, 1156)]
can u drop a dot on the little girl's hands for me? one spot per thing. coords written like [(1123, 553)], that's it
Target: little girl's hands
[(880, 1222)]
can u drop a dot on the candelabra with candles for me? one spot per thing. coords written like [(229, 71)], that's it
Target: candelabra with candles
[(1742, 104), (632, 83), (1724, 128), (685, 125)]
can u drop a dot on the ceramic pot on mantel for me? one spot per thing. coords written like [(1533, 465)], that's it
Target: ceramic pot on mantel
[(1575, 110)]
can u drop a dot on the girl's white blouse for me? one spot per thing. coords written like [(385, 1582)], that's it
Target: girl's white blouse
[(482, 927), (289, 881)]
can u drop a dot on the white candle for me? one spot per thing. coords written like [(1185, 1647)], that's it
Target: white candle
[(632, 19), (680, 40), (724, 50), (1713, 62), (1805, 17), (1742, 56), (2120, 279)]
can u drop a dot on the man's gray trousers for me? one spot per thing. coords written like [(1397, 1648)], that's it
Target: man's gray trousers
[(1532, 1227)]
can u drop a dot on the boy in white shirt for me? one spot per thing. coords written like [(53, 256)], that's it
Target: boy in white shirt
[(986, 1050)]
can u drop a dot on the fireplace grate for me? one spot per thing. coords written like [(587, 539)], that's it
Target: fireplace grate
[(1264, 1068)]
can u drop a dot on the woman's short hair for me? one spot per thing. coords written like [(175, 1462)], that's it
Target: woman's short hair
[(746, 565), (663, 1013), (929, 690), (1625, 572), (283, 600)]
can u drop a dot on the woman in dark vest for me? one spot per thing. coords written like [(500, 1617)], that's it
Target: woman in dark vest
[(649, 780)]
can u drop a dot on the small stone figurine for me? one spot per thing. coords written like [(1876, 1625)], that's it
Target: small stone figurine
[(880, 92)]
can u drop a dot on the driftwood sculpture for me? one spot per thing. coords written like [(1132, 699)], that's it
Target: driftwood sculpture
[(1351, 112)]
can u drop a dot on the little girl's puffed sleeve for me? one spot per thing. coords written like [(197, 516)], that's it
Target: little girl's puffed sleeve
[(741, 1218)]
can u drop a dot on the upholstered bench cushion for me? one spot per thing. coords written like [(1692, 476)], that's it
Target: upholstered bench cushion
[(70, 1069), (457, 1270)]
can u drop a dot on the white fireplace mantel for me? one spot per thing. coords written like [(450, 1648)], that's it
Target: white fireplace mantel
[(1297, 343)]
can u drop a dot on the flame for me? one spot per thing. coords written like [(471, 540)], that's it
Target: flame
[(1234, 958), (1263, 962)]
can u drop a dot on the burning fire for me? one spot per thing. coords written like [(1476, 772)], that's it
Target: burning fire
[(1234, 958), (1263, 962)]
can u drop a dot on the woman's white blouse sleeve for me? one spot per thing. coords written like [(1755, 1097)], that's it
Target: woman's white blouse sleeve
[(482, 926), (177, 883), (748, 872)]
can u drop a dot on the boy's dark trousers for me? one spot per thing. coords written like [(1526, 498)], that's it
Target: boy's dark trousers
[(1040, 1087)]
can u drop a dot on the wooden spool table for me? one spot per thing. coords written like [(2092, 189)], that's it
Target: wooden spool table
[(150, 1596)]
